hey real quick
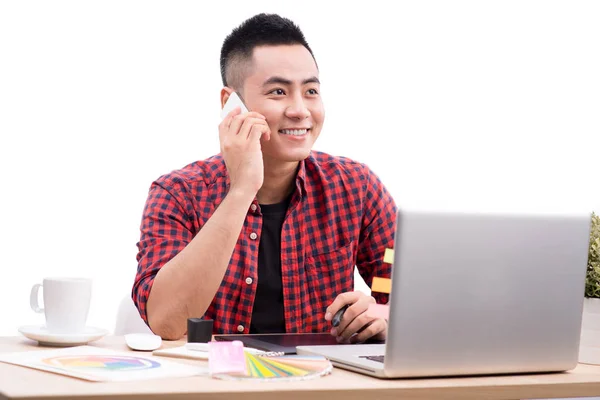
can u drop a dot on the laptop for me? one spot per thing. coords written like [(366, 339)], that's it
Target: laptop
[(476, 294)]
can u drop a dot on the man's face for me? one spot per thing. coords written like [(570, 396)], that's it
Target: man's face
[(283, 86)]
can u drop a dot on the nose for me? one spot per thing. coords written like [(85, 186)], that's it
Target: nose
[(297, 109)]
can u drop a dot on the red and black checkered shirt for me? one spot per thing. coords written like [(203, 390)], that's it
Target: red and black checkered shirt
[(340, 215)]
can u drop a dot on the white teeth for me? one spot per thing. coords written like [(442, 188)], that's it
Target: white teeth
[(294, 132)]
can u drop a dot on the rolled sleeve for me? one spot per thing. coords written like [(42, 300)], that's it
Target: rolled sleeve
[(166, 229), (377, 233)]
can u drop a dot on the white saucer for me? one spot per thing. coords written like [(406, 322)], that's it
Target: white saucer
[(45, 338)]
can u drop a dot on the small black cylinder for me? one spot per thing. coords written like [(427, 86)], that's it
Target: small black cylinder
[(199, 330)]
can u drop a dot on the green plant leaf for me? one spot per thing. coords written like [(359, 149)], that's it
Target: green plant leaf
[(592, 279)]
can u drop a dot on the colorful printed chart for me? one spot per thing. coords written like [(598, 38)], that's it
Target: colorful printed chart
[(290, 367), (106, 363), (98, 364)]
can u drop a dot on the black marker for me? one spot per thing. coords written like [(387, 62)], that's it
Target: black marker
[(337, 318)]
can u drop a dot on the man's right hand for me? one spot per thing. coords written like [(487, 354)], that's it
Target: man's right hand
[(176, 294), (239, 135)]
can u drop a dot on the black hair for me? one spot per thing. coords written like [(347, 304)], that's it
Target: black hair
[(262, 29)]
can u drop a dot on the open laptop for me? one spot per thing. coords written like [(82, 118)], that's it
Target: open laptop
[(478, 294)]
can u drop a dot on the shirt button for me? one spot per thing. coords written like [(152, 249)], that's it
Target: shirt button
[(253, 236), (240, 328), (249, 281), (253, 207)]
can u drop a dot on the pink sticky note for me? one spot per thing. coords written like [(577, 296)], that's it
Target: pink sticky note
[(226, 357), (378, 311)]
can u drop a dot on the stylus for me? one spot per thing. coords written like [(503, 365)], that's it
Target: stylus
[(337, 318)]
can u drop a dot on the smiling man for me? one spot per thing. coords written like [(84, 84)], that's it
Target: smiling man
[(264, 237)]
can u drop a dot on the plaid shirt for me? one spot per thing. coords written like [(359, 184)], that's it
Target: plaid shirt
[(340, 215)]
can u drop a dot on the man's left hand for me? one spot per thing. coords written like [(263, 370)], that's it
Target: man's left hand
[(355, 319)]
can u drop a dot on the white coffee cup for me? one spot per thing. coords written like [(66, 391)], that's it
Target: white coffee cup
[(66, 303)]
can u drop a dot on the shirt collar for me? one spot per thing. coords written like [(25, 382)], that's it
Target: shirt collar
[(301, 176)]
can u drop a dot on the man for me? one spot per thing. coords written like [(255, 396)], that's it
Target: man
[(264, 237)]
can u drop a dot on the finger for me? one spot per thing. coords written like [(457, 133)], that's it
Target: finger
[(354, 311), (236, 123), (257, 132), (355, 325), (249, 114), (226, 123), (340, 301), (239, 119), (255, 114), (374, 328), (244, 132), (235, 111), (264, 127), (267, 133)]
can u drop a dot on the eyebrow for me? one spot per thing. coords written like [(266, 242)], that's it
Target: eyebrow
[(282, 81)]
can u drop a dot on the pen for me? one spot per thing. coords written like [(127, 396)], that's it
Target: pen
[(337, 318)]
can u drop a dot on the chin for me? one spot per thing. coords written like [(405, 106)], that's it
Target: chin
[(292, 156), (297, 155)]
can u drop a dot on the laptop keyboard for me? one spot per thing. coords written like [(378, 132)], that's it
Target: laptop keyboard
[(373, 358)]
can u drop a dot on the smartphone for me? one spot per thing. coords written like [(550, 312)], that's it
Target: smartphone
[(232, 102)]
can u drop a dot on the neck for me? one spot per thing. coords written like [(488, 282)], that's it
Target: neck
[(278, 181)]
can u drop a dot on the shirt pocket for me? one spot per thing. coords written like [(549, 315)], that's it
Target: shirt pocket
[(328, 275)]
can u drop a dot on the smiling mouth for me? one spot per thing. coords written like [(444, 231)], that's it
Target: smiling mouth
[(294, 132)]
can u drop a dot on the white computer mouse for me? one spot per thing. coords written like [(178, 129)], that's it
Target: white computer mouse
[(143, 341)]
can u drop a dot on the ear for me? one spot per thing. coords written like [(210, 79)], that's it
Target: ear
[(225, 93)]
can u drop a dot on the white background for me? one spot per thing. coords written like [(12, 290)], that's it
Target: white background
[(462, 104)]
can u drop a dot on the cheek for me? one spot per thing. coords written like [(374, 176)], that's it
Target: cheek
[(273, 124), (273, 117), (318, 114)]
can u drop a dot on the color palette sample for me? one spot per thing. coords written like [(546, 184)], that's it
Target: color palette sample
[(288, 367)]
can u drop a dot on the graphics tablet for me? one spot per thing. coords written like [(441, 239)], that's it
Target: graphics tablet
[(280, 342)]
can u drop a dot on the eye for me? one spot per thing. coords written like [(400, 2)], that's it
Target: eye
[(312, 91), (278, 92)]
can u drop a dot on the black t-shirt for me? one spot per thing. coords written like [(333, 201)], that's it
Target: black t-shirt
[(267, 314)]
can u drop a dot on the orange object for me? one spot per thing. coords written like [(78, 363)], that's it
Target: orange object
[(381, 285)]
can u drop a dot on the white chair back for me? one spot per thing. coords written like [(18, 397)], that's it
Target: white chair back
[(129, 319)]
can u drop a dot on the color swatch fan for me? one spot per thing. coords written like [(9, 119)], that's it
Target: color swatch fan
[(290, 367)]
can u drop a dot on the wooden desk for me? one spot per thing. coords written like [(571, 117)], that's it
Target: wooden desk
[(25, 383)]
